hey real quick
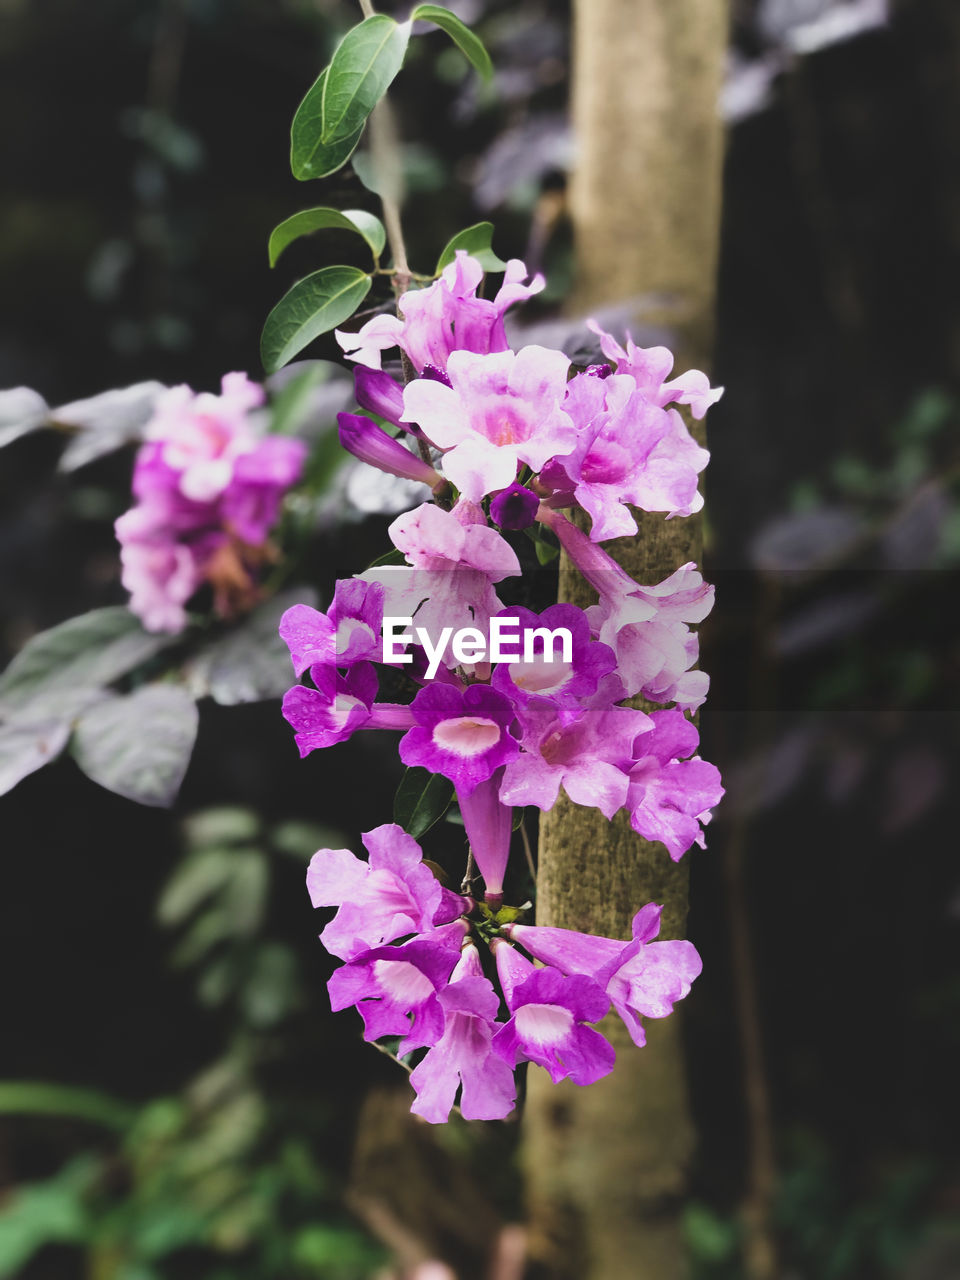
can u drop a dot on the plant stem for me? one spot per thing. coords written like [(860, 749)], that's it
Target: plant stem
[(384, 154)]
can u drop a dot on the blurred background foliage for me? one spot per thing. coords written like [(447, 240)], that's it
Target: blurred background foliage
[(175, 1098)]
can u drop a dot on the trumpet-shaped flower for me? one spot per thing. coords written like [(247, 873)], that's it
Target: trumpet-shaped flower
[(389, 984), (669, 796), (444, 317), (548, 1015), (378, 901), (498, 411), (462, 733), (641, 977), (584, 756), (463, 1056)]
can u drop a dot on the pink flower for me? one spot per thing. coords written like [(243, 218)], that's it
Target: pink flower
[(389, 984), (463, 1056), (641, 977), (499, 410), (446, 316), (669, 796), (462, 733), (456, 560), (584, 756), (628, 450), (390, 896), (208, 486), (649, 367), (548, 1013)]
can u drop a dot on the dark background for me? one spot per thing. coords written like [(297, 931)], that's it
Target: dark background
[(144, 164)]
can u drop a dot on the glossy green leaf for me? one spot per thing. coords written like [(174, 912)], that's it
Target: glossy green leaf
[(314, 305), (477, 240), (309, 220), (138, 745), (309, 157), (362, 68), (469, 44), (80, 654), (422, 799)]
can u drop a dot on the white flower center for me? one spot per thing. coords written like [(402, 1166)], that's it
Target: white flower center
[(402, 982), (540, 676), (543, 1024), (467, 735)]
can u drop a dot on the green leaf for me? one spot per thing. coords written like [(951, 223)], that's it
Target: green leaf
[(139, 745), (309, 220), (362, 68), (422, 799), (36, 1098), (314, 305), (545, 552), (477, 242), (24, 748), (84, 653), (469, 44), (250, 663), (309, 158)]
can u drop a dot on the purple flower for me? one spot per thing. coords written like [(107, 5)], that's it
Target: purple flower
[(489, 825), (462, 733), (549, 1011), (390, 896), (628, 450), (388, 984), (641, 977), (370, 443), (462, 1055), (447, 316), (378, 393), (456, 558), (649, 367), (499, 410), (347, 634), (669, 796), (585, 756), (564, 681), (208, 486), (322, 718), (514, 507), (645, 626)]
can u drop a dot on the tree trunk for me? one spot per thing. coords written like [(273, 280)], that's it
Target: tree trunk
[(606, 1166)]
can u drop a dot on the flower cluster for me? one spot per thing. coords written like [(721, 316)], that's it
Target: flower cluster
[(413, 970), (208, 484), (508, 704)]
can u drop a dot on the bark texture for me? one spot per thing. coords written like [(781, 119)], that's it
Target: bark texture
[(606, 1166)]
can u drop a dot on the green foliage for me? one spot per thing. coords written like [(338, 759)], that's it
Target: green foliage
[(249, 662), (66, 664), (314, 305), (466, 41), (308, 157), (138, 744), (363, 66), (477, 240), (51, 1212), (304, 223), (330, 120), (422, 799)]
